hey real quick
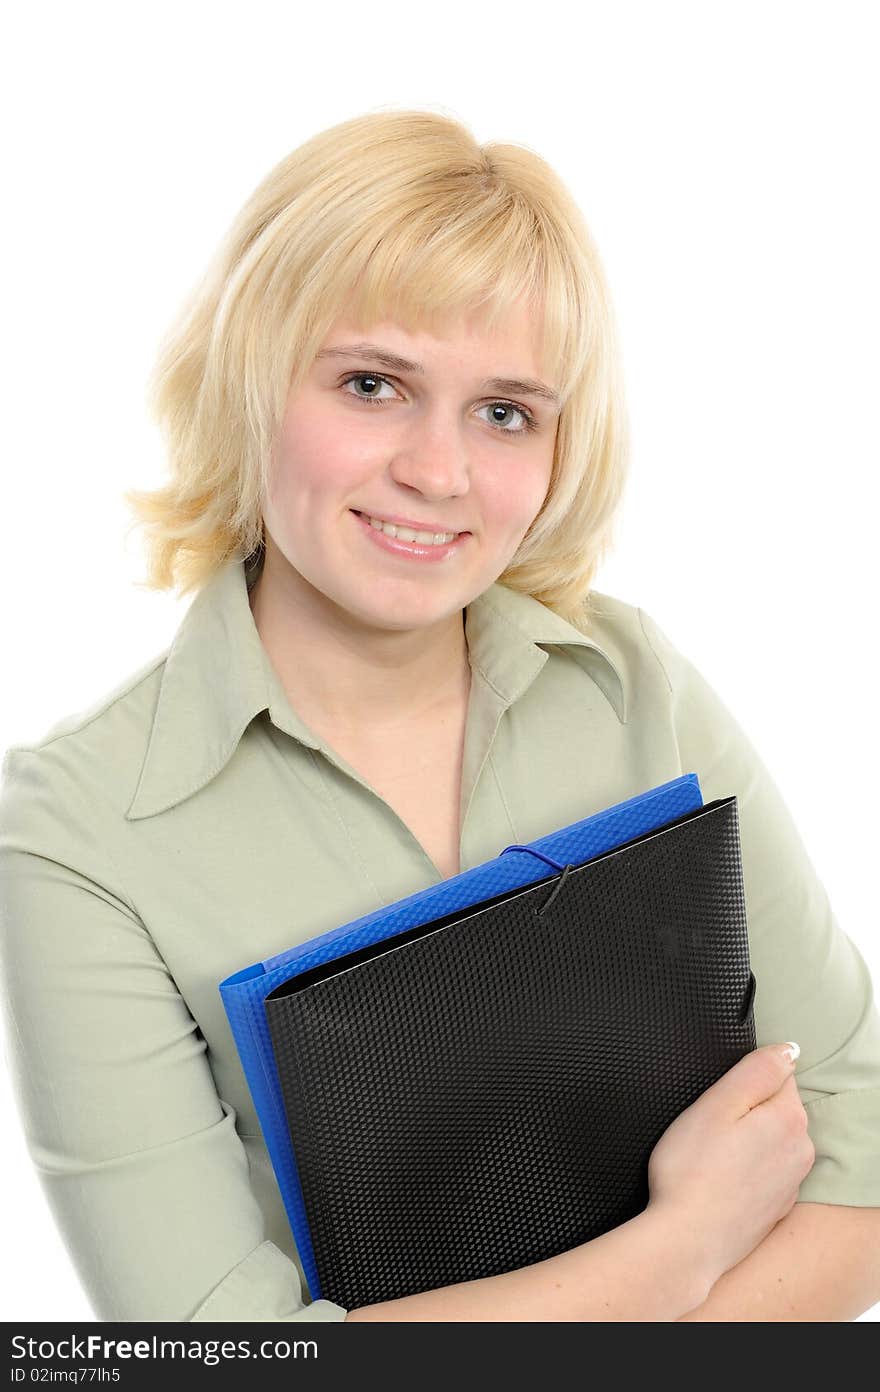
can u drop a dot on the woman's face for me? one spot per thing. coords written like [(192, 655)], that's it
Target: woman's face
[(442, 449)]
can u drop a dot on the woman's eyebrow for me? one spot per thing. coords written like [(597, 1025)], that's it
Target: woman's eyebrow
[(527, 386)]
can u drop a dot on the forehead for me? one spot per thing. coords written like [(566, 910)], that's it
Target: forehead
[(509, 344)]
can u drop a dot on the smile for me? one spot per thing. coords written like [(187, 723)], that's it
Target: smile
[(404, 542), (409, 533)]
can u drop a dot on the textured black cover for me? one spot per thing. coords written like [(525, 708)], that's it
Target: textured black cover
[(484, 1091)]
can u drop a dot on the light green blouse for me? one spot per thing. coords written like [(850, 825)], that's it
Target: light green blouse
[(189, 824)]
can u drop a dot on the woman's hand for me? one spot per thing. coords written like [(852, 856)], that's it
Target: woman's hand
[(730, 1166)]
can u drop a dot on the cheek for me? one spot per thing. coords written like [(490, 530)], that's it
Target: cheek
[(316, 461), (514, 496)]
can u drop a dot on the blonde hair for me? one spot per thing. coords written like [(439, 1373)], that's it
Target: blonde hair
[(400, 215)]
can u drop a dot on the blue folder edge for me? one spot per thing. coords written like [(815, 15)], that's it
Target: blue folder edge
[(243, 994)]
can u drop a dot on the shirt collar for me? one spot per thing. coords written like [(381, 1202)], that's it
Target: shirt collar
[(217, 677)]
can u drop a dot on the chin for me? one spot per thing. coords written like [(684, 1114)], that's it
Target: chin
[(399, 612)]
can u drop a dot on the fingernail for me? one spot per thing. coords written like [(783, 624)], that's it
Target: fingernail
[(791, 1051)]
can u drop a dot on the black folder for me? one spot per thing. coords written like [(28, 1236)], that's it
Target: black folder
[(484, 1090)]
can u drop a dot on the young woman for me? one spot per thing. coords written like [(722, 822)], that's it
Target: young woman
[(397, 441)]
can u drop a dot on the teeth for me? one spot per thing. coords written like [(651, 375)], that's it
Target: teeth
[(407, 533)]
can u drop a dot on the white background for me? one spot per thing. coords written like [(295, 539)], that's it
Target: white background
[(725, 158)]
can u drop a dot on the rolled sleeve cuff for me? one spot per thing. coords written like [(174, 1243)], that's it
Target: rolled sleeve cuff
[(265, 1286), (845, 1130)]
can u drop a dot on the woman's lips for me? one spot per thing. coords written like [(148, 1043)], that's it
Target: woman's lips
[(408, 550), (414, 526)]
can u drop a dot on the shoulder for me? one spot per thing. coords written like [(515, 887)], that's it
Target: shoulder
[(633, 639), (662, 682), (98, 750)]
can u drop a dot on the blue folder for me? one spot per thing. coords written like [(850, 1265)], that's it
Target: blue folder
[(244, 993)]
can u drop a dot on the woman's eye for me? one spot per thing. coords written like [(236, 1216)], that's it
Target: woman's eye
[(508, 406), (367, 377), (373, 398)]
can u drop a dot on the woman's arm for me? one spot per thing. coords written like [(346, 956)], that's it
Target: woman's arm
[(640, 1271), (820, 1264), (145, 1173), (813, 984)]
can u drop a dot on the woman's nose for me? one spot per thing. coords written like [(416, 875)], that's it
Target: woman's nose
[(434, 458)]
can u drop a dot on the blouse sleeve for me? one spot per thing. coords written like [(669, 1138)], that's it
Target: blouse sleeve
[(138, 1156), (813, 984)]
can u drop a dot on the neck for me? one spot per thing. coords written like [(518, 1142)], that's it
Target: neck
[(349, 675)]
